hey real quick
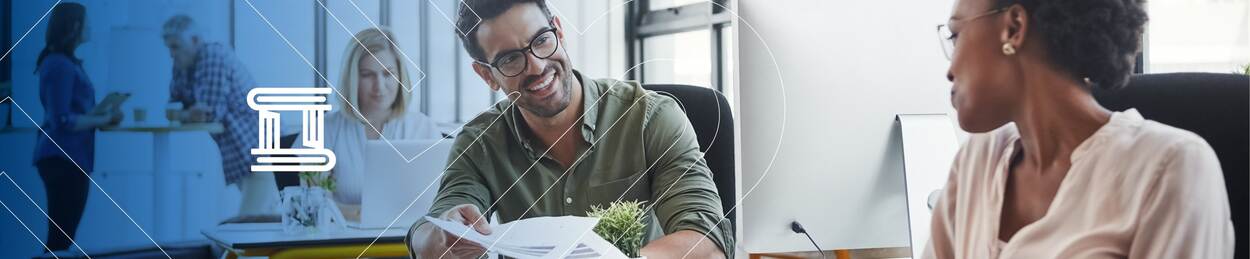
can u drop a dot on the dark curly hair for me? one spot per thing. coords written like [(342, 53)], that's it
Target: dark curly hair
[(473, 12), (1096, 40)]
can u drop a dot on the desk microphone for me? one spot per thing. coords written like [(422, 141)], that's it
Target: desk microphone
[(798, 228)]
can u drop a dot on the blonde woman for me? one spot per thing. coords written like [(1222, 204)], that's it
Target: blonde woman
[(373, 80)]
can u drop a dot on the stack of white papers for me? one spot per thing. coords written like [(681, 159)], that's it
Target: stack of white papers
[(541, 237)]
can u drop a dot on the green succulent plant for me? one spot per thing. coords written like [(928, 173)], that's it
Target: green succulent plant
[(318, 179), (1245, 70), (621, 224)]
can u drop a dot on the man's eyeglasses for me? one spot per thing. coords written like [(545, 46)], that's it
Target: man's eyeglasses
[(946, 34), (513, 63)]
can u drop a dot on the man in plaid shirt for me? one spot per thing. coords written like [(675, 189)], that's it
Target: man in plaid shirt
[(213, 85)]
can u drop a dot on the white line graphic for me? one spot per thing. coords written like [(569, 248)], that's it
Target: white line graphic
[(84, 172), (331, 84), (395, 76), (571, 166), (453, 22), (784, 118), (32, 233), (32, 27), (45, 214), (581, 30), (715, 136)]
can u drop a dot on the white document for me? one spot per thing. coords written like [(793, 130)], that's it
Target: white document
[(540, 237)]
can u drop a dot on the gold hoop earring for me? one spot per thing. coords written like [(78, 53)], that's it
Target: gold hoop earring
[(1008, 49)]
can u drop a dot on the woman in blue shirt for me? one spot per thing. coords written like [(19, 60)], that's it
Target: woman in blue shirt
[(67, 98)]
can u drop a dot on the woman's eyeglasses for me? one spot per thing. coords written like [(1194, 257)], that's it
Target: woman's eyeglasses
[(947, 35)]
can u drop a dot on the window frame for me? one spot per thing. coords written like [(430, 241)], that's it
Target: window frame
[(6, 65), (321, 43), (642, 23)]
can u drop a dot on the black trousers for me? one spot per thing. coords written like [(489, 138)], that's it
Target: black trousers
[(66, 188)]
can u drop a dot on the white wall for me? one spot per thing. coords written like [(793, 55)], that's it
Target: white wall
[(848, 67)]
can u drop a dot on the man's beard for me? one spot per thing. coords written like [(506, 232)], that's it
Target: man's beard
[(552, 107)]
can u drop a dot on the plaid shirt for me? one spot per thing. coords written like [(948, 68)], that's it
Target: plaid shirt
[(219, 81)]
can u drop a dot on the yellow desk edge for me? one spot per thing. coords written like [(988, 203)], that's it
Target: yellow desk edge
[(334, 252)]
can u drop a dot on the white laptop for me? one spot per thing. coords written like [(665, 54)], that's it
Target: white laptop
[(392, 181)]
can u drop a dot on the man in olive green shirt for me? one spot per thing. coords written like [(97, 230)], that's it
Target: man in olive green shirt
[(563, 143)]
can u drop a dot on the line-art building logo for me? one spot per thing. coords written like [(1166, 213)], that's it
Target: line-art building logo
[(313, 105)]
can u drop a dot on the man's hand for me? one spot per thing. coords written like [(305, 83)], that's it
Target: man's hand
[(93, 121), (431, 242), (197, 113), (115, 117)]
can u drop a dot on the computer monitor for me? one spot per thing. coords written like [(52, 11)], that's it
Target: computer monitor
[(819, 141), (401, 180)]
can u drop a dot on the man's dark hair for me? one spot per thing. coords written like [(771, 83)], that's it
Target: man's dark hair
[(1094, 39), (473, 12)]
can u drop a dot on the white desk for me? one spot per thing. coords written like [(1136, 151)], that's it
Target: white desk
[(167, 227)]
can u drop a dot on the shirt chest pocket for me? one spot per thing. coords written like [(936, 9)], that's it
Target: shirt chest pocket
[(632, 185)]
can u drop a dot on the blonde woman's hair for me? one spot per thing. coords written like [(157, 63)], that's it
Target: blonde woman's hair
[(372, 41)]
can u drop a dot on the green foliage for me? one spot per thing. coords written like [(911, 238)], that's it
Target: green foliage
[(621, 224), (317, 179), (1245, 70)]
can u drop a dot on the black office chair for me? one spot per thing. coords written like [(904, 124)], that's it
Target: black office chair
[(713, 123), (1214, 106)]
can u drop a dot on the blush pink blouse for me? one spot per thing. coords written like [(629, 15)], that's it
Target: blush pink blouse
[(1136, 189)]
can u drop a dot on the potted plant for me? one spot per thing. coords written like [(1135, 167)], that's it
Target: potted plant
[(621, 224), (309, 208), (317, 179)]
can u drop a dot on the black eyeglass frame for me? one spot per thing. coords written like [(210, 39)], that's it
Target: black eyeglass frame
[(529, 48)]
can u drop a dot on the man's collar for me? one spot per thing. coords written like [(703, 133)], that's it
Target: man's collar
[(590, 115), (591, 96), (200, 51)]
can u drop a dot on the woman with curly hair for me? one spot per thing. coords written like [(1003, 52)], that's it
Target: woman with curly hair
[(1048, 172)]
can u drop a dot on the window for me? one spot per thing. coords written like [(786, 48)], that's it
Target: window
[(683, 42), (265, 53), (665, 4), (727, 71), (5, 31), (1197, 36), (6, 68), (343, 20), (444, 87), (681, 58)]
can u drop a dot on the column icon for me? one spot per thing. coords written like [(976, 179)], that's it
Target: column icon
[(312, 156)]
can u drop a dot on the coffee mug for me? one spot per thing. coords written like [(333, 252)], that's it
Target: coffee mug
[(140, 115), (172, 110)]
